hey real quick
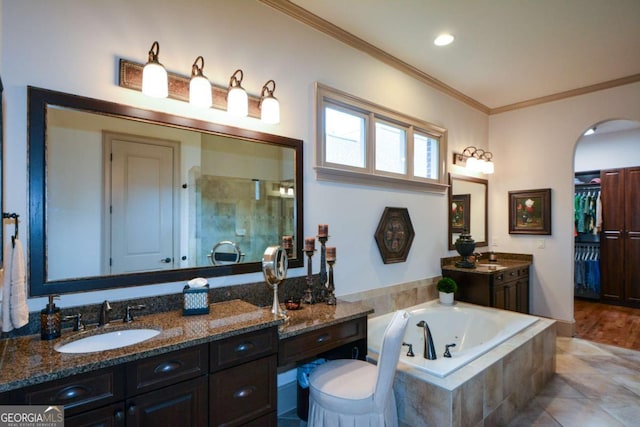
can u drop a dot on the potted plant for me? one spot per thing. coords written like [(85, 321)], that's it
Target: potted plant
[(446, 287)]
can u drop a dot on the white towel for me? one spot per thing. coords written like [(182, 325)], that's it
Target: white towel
[(15, 313)]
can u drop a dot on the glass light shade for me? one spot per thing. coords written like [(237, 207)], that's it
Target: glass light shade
[(200, 92), (488, 167), (270, 110), (237, 102), (473, 164), (154, 80)]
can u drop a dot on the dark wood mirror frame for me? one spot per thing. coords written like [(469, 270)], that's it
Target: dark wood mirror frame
[(38, 100), (480, 181)]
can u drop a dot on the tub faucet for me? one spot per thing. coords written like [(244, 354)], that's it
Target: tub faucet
[(429, 351), (103, 319)]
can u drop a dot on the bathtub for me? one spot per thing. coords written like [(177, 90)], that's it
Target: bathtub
[(473, 329)]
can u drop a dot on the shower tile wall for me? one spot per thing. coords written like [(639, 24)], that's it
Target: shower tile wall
[(227, 209)]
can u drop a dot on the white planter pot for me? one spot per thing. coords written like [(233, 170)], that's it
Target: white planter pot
[(446, 298)]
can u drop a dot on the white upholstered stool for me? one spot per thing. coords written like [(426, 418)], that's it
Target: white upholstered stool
[(355, 393)]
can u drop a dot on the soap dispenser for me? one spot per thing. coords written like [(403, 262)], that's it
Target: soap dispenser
[(50, 320)]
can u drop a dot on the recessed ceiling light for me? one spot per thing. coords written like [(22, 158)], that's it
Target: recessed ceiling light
[(443, 40), (590, 131)]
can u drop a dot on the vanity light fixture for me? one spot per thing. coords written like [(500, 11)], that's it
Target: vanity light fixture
[(269, 105), (237, 100), (475, 160), (154, 76), (199, 86)]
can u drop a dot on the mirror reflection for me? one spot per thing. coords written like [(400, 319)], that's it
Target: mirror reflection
[(132, 199), (468, 208)]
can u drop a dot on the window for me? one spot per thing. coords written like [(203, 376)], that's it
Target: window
[(360, 142)]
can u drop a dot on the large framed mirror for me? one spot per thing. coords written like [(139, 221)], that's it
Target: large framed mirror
[(121, 196), (468, 197)]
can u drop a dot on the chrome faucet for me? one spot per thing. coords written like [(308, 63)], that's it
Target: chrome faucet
[(103, 319), (476, 257), (429, 351)]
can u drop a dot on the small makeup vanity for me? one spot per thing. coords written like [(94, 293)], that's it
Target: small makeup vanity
[(503, 284)]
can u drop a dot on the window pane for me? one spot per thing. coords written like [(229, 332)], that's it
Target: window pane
[(391, 148), (344, 133), (425, 156)]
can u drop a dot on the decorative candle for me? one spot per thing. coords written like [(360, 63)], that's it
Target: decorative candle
[(323, 230), (331, 253), (310, 244), (287, 242)]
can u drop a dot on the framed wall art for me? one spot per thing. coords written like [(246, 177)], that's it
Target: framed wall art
[(394, 235), (460, 213), (530, 211)]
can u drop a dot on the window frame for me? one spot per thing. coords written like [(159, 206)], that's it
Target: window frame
[(372, 113)]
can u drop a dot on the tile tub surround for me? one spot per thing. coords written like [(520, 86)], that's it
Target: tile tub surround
[(490, 390), (28, 360)]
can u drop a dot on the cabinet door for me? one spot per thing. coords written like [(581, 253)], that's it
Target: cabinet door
[(632, 240), (241, 394), (611, 240), (522, 292), (182, 404), (109, 416), (500, 297)]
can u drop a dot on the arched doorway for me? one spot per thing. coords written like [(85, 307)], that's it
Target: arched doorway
[(600, 314)]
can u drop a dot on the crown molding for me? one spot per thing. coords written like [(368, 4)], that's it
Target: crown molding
[(346, 37), (314, 21)]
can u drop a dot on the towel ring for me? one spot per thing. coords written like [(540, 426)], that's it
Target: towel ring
[(15, 216)]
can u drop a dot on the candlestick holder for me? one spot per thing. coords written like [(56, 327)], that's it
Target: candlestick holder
[(308, 297), (323, 269), (331, 297)]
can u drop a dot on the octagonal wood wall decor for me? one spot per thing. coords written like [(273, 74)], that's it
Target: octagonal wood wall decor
[(394, 235)]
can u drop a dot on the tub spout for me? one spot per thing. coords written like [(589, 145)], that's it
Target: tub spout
[(429, 351)]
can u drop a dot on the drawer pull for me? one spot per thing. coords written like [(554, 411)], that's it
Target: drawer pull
[(167, 367), (323, 338), (132, 409), (72, 392), (118, 415), (245, 346), (513, 273), (244, 392)]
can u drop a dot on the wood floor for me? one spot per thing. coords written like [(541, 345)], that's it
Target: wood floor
[(607, 324)]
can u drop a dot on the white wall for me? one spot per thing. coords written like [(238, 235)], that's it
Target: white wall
[(76, 48), (608, 151), (534, 148)]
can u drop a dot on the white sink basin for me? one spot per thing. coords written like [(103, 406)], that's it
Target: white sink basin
[(107, 341), (491, 266)]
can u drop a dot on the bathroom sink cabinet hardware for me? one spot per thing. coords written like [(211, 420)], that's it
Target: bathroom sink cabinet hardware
[(507, 289), (230, 382)]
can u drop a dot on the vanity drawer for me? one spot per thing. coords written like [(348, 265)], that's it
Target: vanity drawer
[(505, 276), (242, 394), (300, 347), (243, 348), (165, 369), (77, 393)]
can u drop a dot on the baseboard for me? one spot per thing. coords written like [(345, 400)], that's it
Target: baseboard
[(565, 328)]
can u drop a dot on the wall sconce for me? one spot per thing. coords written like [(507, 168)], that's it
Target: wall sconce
[(475, 160), (133, 75), (237, 99), (199, 86), (269, 105), (154, 77)]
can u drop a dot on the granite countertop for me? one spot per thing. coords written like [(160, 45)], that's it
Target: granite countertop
[(28, 360), (504, 262), (316, 316)]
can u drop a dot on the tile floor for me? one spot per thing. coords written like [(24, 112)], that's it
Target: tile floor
[(595, 385)]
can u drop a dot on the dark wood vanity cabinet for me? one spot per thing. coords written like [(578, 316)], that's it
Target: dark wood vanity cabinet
[(507, 289), (228, 382)]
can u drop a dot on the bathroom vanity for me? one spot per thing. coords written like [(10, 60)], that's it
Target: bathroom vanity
[(503, 284), (215, 369)]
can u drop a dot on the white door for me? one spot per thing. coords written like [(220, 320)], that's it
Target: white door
[(142, 230)]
